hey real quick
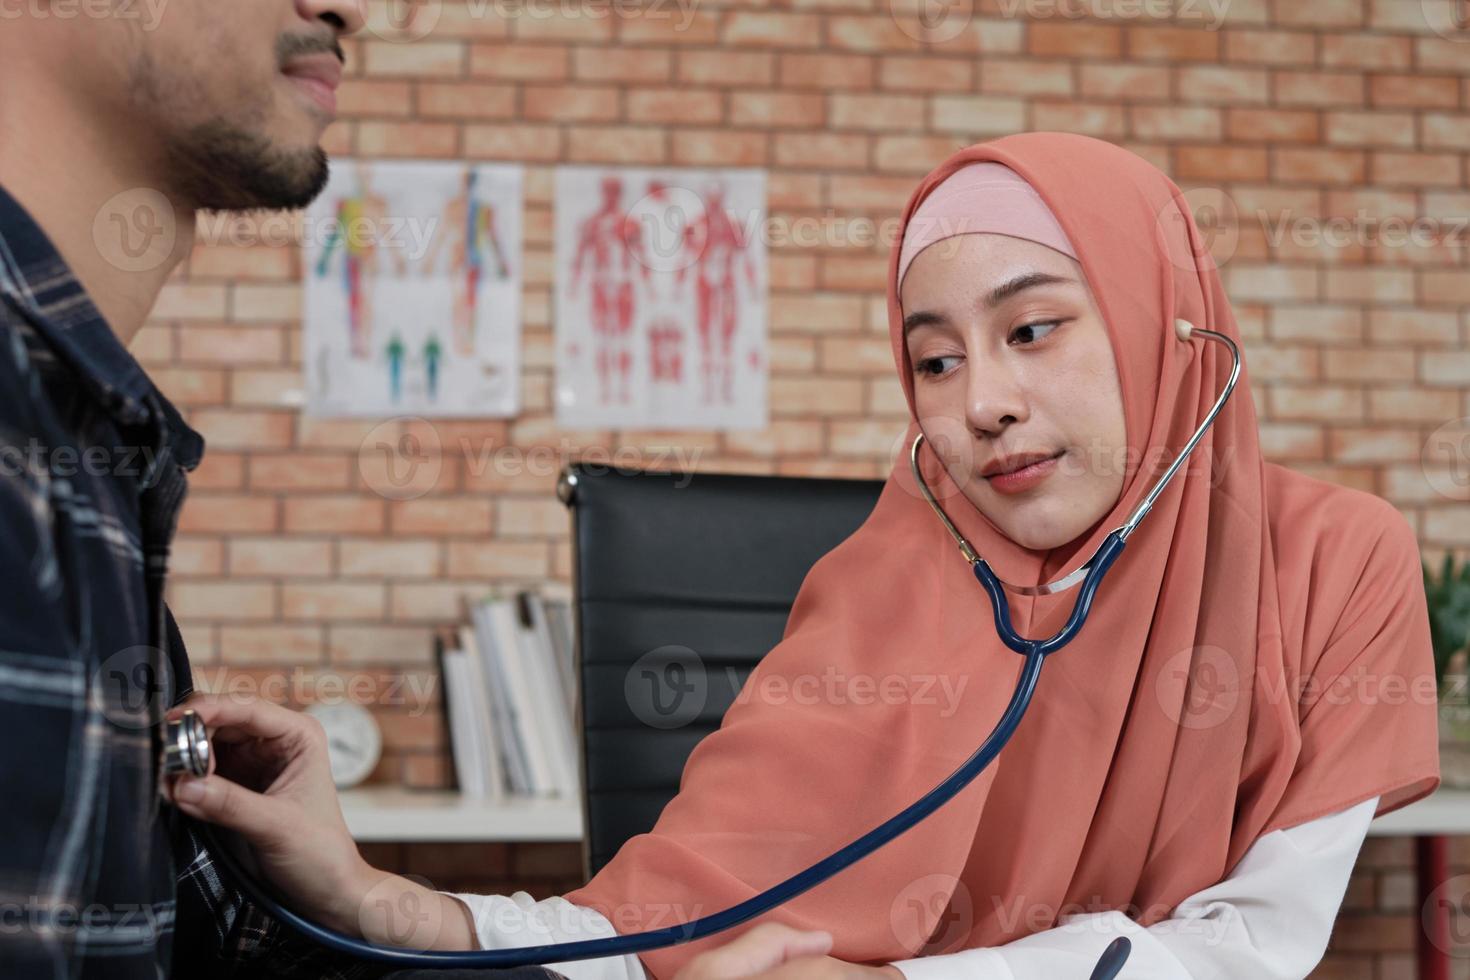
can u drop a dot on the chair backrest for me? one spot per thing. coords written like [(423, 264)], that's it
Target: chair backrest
[(681, 583)]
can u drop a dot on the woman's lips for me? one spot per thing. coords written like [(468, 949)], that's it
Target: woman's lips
[(1024, 478)]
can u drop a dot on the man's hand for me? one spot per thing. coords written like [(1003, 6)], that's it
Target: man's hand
[(773, 951)]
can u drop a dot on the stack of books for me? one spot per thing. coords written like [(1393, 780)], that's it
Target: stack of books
[(511, 698)]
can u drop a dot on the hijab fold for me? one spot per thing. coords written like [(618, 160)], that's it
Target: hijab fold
[(1243, 667)]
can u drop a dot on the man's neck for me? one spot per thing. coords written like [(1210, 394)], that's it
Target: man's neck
[(92, 194)]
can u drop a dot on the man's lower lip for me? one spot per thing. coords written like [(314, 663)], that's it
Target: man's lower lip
[(1024, 478), (318, 91)]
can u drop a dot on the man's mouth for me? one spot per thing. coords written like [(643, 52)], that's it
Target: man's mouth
[(316, 77)]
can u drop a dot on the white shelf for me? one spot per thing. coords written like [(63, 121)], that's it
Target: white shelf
[(398, 814), (1445, 811)]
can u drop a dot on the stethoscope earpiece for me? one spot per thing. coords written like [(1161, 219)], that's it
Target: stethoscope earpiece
[(1182, 329)]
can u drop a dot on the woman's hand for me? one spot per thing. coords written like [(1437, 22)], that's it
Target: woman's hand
[(773, 951), (270, 781)]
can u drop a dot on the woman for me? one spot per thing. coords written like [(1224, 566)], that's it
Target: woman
[(1198, 767)]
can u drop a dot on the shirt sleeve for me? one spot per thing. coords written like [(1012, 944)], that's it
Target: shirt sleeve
[(508, 922), (1269, 919)]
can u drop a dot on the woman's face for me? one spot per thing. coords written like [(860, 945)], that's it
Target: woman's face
[(1010, 356)]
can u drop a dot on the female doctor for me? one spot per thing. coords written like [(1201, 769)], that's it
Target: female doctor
[(1198, 768)]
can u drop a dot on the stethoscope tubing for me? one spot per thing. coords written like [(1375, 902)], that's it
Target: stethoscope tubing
[(671, 935), (1034, 653)]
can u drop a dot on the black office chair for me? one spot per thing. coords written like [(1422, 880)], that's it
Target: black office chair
[(682, 582)]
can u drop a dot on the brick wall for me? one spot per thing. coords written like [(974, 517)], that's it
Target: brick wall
[(290, 568)]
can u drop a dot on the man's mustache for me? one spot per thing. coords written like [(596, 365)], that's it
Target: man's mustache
[(292, 46)]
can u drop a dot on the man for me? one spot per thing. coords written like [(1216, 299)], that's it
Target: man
[(114, 131)]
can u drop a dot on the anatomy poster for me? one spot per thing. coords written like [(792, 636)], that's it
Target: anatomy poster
[(413, 286), (660, 298)]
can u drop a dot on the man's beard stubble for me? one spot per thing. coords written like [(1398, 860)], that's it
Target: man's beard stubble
[(220, 166)]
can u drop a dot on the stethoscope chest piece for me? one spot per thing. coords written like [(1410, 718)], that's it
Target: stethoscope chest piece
[(185, 747)]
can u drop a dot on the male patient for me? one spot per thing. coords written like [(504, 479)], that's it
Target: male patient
[(118, 122), (114, 130)]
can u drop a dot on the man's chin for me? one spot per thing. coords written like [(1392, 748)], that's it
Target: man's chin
[(220, 167)]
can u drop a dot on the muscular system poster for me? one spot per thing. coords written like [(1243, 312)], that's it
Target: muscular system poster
[(660, 298)]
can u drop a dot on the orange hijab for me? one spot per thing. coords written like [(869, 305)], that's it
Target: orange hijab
[(1257, 657)]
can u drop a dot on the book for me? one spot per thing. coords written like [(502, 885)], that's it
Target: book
[(507, 706)]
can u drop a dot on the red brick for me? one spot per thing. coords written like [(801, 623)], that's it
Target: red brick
[(424, 58), (293, 556), (1103, 121), (569, 103), (292, 645), (1073, 39), (1271, 47), (323, 601), (239, 429), (1318, 88), (513, 142), (380, 644), (827, 72), (627, 65), (1272, 125), (1214, 84), (1319, 165), (1226, 163), (466, 100), (776, 109), (220, 513), (674, 107), (231, 344), (932, 74), (389, 558), (1126, 82), (328, 514), (440, 516), (719, 148), (777, 30), (363, 97), (1173, 44), (196, 599), (617, 145), (743, 69), (520, 61)]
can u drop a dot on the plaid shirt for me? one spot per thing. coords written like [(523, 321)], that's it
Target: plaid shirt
[(99, 878)]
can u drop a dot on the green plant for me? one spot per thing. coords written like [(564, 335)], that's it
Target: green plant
[(1449, 612)]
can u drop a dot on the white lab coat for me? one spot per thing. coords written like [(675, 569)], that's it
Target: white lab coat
[(1269, 919)]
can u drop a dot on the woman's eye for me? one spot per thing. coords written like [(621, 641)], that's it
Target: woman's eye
[(1031, 327), (934, 365)]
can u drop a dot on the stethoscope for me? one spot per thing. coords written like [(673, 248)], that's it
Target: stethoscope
[(186, 749)]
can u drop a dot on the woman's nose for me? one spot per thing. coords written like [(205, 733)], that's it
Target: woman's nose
[(994, 397)]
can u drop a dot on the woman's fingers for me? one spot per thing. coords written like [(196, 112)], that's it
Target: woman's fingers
[(218, 800), (765, 947), (253, 719)]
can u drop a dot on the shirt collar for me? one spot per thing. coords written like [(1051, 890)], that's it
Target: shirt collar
[(35, 276)]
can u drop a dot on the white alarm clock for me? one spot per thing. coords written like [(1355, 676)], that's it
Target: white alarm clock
[(354, 741)]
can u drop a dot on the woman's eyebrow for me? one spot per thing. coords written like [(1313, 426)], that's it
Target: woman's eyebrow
[(1025, 280), (922, 318), (997, 296)]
